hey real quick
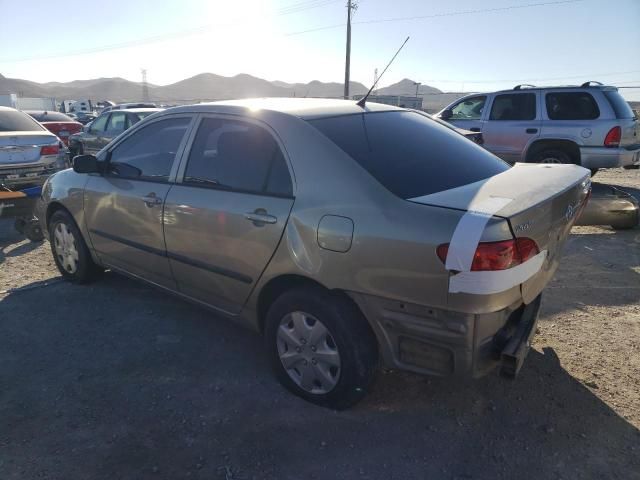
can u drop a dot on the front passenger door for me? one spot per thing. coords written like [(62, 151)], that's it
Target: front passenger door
[(116, 125), (90, 139), (123, 207)]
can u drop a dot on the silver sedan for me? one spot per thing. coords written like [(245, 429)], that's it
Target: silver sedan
[(347, 236)]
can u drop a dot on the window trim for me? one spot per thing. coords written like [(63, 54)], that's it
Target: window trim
[(171, 179), (484, 108), (238, 118), (538, 107), (554, 92)]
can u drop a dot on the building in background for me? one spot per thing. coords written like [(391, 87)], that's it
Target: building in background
[(397, 100)]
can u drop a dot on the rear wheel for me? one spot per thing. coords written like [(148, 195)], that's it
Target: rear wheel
[(69, 249), (321, 347), (553, 155)]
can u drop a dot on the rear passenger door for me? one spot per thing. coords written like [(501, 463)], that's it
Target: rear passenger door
[(572, 115), (514, 121), (224, 218)]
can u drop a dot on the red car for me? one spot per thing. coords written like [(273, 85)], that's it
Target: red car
[(57, 123)]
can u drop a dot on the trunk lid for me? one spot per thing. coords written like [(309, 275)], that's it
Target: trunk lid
[(540, 202), (63, 129), (23, 147)]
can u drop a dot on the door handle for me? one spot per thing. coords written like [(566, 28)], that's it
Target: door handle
[(151, 200), (474, 129), (532, 130), (259, 217)]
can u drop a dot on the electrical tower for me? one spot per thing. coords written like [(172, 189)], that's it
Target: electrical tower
[(145, 86)]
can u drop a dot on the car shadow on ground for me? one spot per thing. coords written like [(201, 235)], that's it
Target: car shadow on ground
[(12, 243), (117, 380)]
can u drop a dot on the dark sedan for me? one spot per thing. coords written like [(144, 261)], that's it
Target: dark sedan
[(105, 128)]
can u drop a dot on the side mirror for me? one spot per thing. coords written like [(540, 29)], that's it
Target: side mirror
[(85, 164), (446, 114)]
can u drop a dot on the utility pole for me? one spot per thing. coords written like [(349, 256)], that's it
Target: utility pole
[(145, 86), (351, 5), (375, 80), (417, 84)]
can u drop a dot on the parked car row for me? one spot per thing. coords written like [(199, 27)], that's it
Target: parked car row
[(348, 236), (589, 125)]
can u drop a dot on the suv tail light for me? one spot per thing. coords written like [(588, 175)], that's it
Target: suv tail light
[(497, 255), (612, 139), (50, 150)]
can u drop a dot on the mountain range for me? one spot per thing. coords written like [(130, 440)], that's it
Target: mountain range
[(209, 87)]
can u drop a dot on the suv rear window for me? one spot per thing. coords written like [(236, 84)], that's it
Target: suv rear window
[(620, 106), (571, 106), (408, 153), (14, 121)]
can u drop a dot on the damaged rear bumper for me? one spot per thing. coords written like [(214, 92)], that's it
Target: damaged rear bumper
[(438, 342)]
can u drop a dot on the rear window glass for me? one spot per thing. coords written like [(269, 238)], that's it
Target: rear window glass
[(514, 106), (50, 117), (571, 106), (408, 153), (13, 121), (620, 106)]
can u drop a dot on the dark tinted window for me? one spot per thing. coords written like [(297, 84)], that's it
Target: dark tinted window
[(514, 106), (149, 153), (620, 106), (408, 153), (14, 121), (50, 117), (239, 156), (135, 117), (571, 106)]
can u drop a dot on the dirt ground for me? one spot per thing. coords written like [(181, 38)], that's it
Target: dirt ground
[(119, 381)]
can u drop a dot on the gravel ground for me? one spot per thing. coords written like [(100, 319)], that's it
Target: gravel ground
[(117, 380)]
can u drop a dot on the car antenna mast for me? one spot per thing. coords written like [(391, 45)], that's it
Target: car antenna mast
[(363, 100)]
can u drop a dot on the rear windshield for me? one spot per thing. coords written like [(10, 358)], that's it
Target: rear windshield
[(408, 153), (50, 117), (619, 104), (13, 121)]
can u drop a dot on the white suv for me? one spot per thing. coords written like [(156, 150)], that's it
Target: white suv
[(590, 125)]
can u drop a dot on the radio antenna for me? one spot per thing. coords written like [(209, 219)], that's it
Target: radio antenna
[(362, 102)]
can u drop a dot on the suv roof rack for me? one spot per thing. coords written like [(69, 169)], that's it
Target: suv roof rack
[(588, 84), (519, 87)]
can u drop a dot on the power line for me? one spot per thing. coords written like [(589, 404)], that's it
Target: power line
[(438, 15), (292, 9)]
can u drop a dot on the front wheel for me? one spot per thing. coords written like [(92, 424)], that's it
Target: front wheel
[(69, 249), (321, 347)]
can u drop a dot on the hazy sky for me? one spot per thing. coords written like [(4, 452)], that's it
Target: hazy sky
[(457, 45)]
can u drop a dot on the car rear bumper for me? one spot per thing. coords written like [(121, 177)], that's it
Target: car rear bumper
[(438, 342), (15, 176), (601, 157)]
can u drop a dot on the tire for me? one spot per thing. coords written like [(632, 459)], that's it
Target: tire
[(70, 251), (553, 155), (337, 369), (33, 231)]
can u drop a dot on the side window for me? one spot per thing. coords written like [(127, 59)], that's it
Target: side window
[(117, 122), (98, 125), (469, 109), (571, 106), (149, 153), (238, 156), (514, 106)]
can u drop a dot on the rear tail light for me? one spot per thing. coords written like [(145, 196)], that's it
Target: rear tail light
[(50, 150), (497, 255), (612, 139)]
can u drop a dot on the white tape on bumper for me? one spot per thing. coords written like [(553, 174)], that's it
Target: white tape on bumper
[(485, 283), (469, 231)]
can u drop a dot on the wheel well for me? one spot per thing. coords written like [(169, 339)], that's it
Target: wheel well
[(277, 286), (52, 208), (565, 145)]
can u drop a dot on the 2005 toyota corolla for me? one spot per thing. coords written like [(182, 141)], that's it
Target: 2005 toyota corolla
[(347, 235)]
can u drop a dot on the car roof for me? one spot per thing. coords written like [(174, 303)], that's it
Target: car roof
[(138, 110), (527, 88), (305, 108), (7, 109)]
